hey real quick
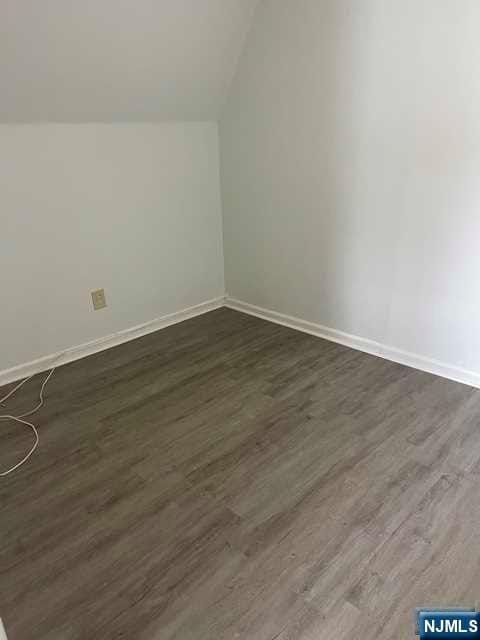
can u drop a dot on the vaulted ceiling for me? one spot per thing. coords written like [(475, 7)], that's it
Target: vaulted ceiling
[(118, 60)]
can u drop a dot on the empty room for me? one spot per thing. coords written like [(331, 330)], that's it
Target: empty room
[(239, 319)]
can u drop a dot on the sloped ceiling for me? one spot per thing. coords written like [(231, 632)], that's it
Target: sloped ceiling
[(118, 60)]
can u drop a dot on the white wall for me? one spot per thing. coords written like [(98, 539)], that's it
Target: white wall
[(350, 150), (118, 60), (131, 208)]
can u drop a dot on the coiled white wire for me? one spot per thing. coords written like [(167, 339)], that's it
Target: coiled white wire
[(20, 419)]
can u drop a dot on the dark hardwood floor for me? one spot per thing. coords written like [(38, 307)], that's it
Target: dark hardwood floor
[(229, 478)]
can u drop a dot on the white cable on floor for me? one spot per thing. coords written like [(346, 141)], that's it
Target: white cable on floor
[(3, 633), (20, 419)]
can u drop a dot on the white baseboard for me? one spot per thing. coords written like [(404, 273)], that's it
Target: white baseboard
[(89, 348), (387, 352), (414, 360)]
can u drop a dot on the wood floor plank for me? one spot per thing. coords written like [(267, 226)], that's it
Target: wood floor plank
[(230, 478)]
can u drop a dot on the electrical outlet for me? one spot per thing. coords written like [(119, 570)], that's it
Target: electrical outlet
[(98, 299)]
